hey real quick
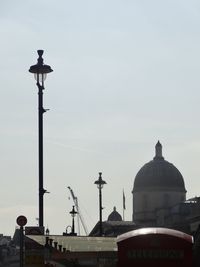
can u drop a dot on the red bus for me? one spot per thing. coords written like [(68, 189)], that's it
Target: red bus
[(155, 247)]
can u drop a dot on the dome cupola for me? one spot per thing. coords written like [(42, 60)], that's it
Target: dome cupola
[(160, 174), (114, 216)]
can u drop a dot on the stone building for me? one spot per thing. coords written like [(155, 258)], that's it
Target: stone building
[(114, 225), (158, 186)]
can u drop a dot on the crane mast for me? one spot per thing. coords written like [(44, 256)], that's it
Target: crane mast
[(75, 199)]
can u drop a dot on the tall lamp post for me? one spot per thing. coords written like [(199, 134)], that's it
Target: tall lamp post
[(40, 71), (100, 183)]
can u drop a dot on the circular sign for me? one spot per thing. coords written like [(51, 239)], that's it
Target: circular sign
[(21, 220)]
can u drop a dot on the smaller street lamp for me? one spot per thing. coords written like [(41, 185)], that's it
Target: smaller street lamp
[(100, 183), (73, 214)]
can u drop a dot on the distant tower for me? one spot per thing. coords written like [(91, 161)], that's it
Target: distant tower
[(158, 186)]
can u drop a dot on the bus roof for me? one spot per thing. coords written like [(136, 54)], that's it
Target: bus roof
[(155, 230)]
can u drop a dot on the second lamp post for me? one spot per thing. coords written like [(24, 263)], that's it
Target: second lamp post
[(100, 183)]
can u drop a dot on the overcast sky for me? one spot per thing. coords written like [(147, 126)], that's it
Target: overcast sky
[(126, 74)]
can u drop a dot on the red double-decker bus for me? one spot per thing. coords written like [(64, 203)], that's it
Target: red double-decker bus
[(155, 247)]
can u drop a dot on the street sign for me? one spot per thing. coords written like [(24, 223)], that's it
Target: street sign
[(21, 220), (34, 230)]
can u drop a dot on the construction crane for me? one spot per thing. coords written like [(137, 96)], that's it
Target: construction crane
[(75, 199)]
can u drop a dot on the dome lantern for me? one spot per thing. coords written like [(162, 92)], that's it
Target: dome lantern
[(158, 151)]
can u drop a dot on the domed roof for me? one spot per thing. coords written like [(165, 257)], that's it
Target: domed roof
[(159, 173), (114, 216)]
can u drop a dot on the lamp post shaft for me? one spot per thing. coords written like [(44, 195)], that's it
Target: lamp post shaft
[(40, 151), (73, 227), (100, 212)]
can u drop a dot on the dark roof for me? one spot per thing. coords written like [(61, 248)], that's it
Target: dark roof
[(16, 237), (118, 223), (113, 228), (159, 173)]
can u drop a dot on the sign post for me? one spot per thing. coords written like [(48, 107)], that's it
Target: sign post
[(21, 221)]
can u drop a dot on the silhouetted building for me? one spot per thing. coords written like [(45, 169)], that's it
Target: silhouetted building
[(159, 200), (114, 225), (158, 186), (159, 197)]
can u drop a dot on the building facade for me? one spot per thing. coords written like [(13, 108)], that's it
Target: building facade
[(158, 186)]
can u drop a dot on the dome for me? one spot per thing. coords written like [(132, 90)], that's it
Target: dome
[(159, 173), (114, 216)]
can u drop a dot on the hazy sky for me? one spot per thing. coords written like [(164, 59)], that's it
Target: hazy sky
[(126, 74)]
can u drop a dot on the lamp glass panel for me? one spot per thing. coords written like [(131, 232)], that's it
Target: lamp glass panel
[(40, 77)]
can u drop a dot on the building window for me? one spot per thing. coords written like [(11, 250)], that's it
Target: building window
[(145, 202), (166, 200)]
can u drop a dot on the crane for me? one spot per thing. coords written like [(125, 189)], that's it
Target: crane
[(75, 199)]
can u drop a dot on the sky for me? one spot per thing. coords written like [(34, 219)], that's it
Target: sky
[(125, 75)]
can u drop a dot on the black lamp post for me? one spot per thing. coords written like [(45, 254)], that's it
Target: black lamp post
[(40, 71), (100, 183), (73, 214)]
